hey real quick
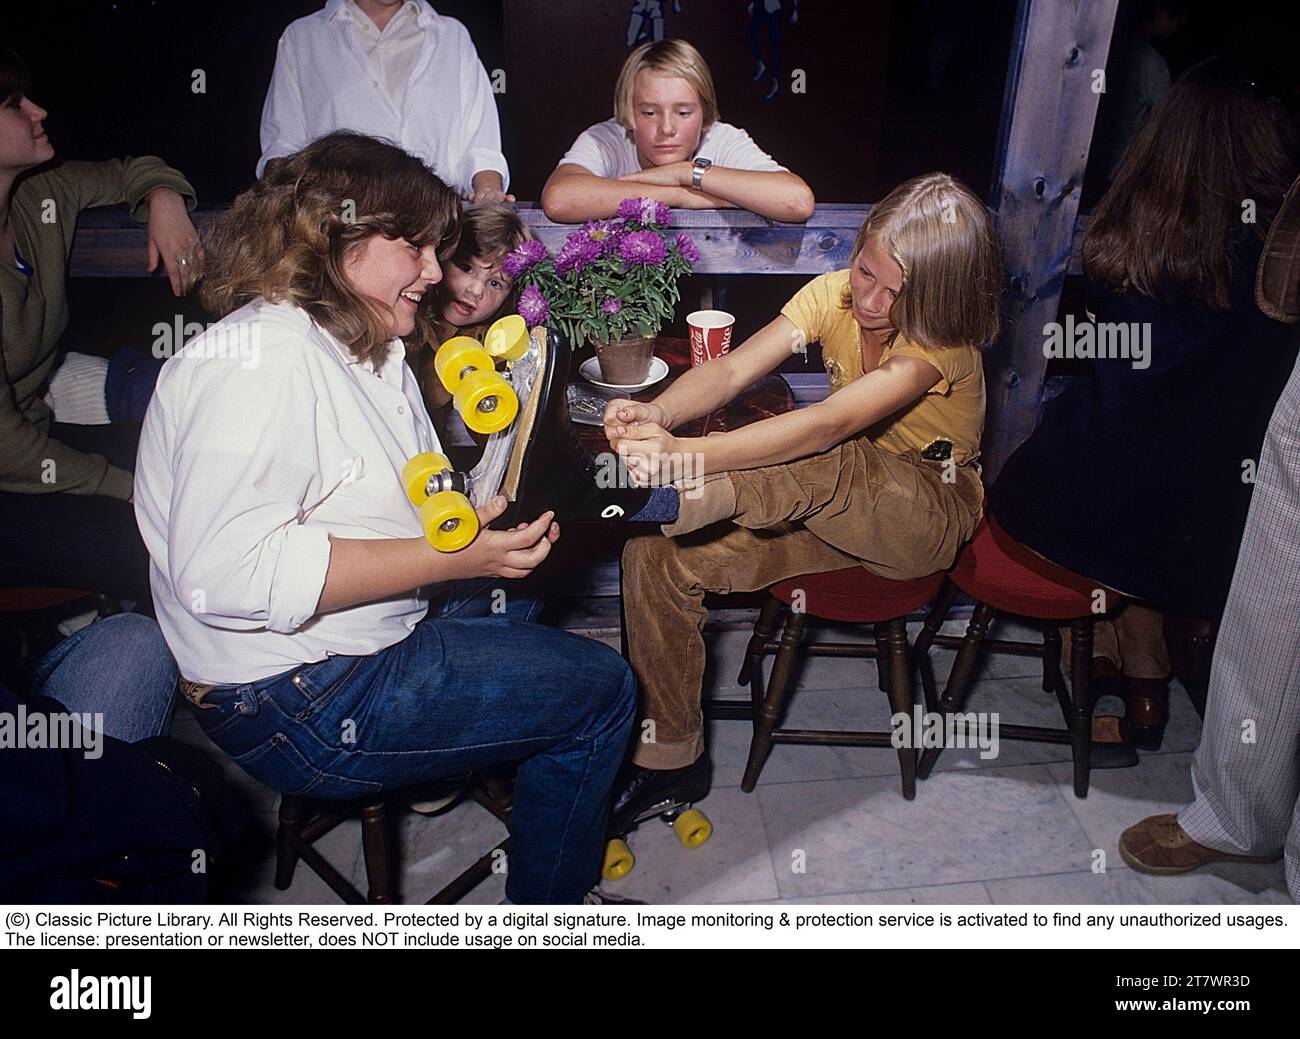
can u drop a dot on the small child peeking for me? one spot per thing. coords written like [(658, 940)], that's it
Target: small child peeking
[(473, 293)]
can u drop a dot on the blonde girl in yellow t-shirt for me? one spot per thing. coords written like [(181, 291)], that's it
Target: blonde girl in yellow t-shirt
[(883, 473)]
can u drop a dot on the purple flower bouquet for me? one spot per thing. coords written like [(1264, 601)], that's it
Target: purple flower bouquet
[(612, 279)]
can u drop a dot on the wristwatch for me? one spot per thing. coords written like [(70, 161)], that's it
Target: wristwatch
[(697, 173)]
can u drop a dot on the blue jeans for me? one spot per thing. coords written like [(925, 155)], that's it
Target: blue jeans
[(459, 693), (478, 596), (119, 667)]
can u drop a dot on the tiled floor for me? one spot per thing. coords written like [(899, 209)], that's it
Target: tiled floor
[(829, 824)]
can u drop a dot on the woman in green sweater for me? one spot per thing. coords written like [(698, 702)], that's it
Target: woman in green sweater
[(52, 531)]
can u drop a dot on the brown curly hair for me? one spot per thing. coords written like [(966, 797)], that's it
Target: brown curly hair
[(286, 238)]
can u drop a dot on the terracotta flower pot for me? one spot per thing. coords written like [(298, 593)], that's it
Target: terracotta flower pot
[(624, 362)]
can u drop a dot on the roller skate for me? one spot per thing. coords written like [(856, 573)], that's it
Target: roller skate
[(503, 405), (533, 455), (647, 793)]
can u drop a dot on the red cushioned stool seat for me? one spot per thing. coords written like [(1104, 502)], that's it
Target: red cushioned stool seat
[(996, 569), (856, 595), (853, 595), (23, 599), (1004, 576)]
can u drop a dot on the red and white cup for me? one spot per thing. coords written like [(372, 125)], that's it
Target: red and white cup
[(710, 332)]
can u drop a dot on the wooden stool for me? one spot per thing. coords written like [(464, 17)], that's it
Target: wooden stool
[(1003, 576), (854, 595), (300, 826)]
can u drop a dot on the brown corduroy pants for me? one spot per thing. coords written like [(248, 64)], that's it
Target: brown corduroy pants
[(896, 515)]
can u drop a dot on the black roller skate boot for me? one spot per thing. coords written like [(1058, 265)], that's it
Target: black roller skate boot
[(670, 794), (548, 467)]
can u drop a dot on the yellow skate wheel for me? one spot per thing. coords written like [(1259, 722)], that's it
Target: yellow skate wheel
[(448, 520), (692, 828), (486, 402), (619, 860), (459, 357), (507, 338), (417, 472)]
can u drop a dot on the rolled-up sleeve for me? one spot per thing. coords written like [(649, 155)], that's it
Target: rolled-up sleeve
[(482, 126), (239, 551)]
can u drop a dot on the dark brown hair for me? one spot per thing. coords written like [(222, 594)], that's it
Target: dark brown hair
[(490, 230), (286, 238), (14, 76), (1213, 148)]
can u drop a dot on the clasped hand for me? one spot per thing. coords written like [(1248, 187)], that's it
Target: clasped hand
[(653, 456)]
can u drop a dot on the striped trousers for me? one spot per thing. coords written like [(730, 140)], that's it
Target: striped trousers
[(1246, 772)]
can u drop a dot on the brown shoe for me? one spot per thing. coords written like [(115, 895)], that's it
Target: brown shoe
[(1159, 845)]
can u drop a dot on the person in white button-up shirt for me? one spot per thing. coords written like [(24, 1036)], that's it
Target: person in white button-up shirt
[(289, 573), (393, 69)]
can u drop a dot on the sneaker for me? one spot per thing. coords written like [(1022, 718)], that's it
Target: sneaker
[(431, 805), (547, 466), (1160, 846), (432, 798)]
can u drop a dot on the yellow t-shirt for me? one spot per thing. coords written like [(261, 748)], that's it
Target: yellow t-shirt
[(944, 423)]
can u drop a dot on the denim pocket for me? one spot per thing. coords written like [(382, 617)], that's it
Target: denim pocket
[(283, 767), (229, 706), (311, 688)]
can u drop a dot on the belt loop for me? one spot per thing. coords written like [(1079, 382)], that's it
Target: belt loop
[(249, 704)]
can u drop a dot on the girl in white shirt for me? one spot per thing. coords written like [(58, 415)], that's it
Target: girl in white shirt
[(289, 574), (666, 142)]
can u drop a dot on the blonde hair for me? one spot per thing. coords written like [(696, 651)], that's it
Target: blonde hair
[(672, 58), (286, 238), (941, 237)]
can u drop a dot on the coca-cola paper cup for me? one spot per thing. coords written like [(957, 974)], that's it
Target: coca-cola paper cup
[(710, 334)]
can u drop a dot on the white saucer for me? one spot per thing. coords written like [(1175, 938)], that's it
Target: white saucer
[(590, 370)]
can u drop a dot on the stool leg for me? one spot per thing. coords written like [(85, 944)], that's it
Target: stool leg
[(766, 624), (934, 619), (498, 790), (286, 857), (773, 705), (881, 632), (1081, 701), (376, 845), (1051, 657), (900, 693), (959, 678)]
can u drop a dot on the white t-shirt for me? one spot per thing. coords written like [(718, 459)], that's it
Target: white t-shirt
[(607, 151), (264, 437)]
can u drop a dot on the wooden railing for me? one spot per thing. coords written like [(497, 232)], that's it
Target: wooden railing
[(110, 245)]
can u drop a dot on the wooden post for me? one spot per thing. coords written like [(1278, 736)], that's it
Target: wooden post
[(1056, 68)]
